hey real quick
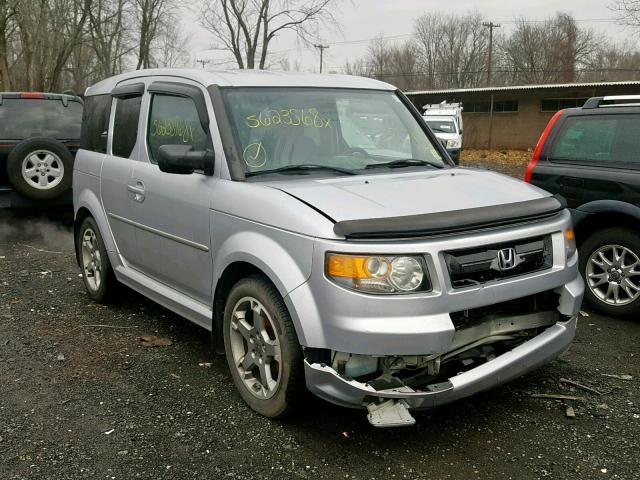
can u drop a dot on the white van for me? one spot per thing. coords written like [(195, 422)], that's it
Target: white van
[(445, 121)]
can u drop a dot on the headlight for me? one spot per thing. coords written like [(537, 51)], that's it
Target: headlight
[(378, 273), (569, 242), (454, 143)]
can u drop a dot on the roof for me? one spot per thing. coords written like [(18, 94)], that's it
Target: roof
[(515, 88), (246, 78)]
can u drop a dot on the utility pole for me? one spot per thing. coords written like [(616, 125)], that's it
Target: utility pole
[(203, 62), (321, 48), (491, 26)]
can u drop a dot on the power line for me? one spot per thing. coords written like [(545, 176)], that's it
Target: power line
[(408, 35)]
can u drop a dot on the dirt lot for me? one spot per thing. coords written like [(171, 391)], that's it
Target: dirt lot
[(509, 162), (80, 397)]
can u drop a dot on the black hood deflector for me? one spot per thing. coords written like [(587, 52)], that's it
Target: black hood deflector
[(455, 221)]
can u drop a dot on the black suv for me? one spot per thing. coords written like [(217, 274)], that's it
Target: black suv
[(591, 156), (39, 136)]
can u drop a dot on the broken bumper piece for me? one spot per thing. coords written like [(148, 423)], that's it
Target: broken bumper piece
[(325, 382)]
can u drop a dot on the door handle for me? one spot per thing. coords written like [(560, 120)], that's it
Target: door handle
[(137, 190)]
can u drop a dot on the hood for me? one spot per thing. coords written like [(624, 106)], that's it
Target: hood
[(402, 194), (446, 136)]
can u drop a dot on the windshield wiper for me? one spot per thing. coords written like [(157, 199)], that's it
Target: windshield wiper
[(301, 168), (404, 162)]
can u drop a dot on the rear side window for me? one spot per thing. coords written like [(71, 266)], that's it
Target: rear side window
[(606, 138), (22, 118), (174, 121), (125, 126), (95, 122)]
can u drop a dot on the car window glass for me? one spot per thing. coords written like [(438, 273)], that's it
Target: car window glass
[(25, 118), (174, 121), (342, 128), (95, 122), (607, 138), (383, 132), (586, 138), (125, 126)]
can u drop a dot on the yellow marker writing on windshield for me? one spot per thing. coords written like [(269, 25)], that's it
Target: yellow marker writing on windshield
[(254, 155)]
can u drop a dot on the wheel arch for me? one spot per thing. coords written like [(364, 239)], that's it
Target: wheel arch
[(87, 204), (232, 274), (603, 214), (248, 253), (81, 214)]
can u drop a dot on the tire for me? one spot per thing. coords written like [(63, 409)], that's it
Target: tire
[(40, 168), (100, 282), (241, 336), (595, 271)]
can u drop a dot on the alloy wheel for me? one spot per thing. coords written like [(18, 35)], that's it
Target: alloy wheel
[(42, 169), (255, 347), (613, 275), (91, 259)]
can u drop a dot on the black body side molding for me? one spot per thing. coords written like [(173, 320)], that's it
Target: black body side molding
[(455, 221)]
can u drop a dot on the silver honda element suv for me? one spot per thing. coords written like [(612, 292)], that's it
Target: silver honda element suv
[(319, 231)]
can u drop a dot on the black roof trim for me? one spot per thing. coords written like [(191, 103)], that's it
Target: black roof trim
[(128, 91), (443, 223)]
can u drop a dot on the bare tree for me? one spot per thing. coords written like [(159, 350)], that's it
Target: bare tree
[(245, 28), (451, 49), (173, 46), (547, 52), (6, 29), (149, 16), (613, 62), (70, 16), (628, 12), (109, 31)]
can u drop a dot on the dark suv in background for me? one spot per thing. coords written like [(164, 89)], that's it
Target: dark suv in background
[(591, 156), (39, 136)]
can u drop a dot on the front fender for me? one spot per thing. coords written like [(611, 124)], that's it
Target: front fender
[(284, 257)]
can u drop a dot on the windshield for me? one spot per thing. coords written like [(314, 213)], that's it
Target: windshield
[(280, 128), (442, 126)]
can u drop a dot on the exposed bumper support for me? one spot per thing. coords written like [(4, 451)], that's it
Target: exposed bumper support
[(326, 383)]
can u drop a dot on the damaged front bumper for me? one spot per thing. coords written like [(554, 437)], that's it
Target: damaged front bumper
[(325, 382)]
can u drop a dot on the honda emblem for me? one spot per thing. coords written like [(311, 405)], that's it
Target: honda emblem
[(507, 258)]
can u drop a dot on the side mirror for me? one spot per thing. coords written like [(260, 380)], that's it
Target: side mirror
[(184, 160)]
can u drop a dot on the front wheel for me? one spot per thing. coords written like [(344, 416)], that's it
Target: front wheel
[(262, 347), (610, 264)]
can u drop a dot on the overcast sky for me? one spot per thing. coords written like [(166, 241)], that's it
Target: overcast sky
[(365, 19)]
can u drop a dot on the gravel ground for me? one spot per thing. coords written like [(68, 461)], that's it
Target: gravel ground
[(81, 397)]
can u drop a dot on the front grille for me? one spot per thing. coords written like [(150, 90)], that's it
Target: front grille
[(479, 265)]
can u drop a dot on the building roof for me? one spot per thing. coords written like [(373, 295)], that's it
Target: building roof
[(515, 88), (246, 78)]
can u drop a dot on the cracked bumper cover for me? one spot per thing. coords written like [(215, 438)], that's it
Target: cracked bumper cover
[(323, 381), (326, 383)]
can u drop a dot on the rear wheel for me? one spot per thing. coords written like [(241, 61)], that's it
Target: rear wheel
[(262, 347), (97, 273), (610, 264)]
